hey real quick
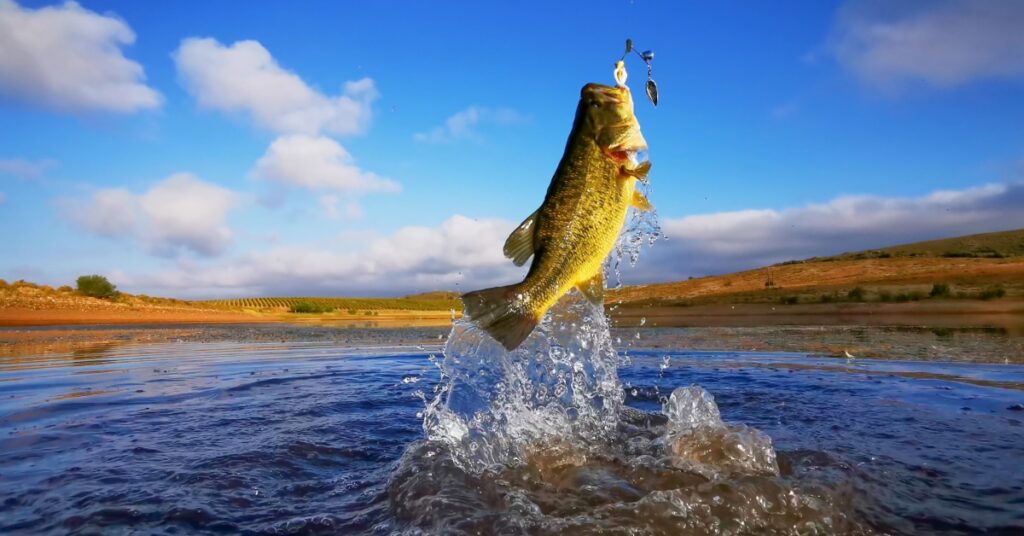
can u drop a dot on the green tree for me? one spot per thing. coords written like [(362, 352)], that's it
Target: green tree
[(96, 286)]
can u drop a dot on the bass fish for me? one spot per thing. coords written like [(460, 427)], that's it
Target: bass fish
[(579, 221)]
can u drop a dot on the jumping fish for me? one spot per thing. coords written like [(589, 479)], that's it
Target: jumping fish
[(578, 223)]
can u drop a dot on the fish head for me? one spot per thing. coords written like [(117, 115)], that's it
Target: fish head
[(607, 114)]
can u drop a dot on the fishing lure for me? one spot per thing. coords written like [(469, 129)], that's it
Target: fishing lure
[(647, 56)]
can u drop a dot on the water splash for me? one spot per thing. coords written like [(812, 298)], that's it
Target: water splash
[(642, 229), (561, 385), (539, 440)]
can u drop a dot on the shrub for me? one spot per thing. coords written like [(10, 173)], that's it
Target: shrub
[(65, 288), (309, 307), (885, 296), (3, 283), (789, 300), (96, 286), (855, 294), (994, 292), (352, 311), (940, 290)]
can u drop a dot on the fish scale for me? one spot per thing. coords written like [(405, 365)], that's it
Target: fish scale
[(578, 223), (600, 200)]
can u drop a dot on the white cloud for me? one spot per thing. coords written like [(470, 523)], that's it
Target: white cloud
[(318, 164), (110, 212), (463, 124), (25, 169), (944, 44), (729, 241), (245, 78), (461, 253), (179, 212), (351, 210), (69, 58)]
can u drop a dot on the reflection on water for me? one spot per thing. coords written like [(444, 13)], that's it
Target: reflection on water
[(303, 436), (963, 344)]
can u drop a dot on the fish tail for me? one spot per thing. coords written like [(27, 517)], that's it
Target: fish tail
[(499, 311)]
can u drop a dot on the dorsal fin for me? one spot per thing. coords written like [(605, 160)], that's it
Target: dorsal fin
[(519, 246)]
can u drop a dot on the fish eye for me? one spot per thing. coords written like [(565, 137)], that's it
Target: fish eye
[(595, 104)]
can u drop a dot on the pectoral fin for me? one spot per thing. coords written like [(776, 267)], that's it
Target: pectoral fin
[(519, 245), (593, 288), (639, 172), (640, 202)]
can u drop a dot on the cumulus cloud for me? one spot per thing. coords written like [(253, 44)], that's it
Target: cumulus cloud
[(463, 124), (944, 44), (245, 78), (69, 58), (318, 164), (729, 241), (461, 252), (351, 210), (25, 169), (181, 212)]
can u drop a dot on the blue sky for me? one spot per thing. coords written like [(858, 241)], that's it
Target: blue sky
[(207, 149)]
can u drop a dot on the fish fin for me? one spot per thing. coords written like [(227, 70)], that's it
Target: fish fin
[(497, 312), (593, 288), (640, 202), (639, 172), (519, 245)]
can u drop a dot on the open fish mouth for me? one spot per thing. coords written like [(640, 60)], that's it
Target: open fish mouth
[(632, 151), (626, 155)]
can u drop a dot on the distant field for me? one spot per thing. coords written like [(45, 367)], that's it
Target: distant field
[(982, 273), (415, 303), (984, 266)]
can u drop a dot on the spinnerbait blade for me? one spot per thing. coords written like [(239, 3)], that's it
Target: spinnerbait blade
[(648, 57)]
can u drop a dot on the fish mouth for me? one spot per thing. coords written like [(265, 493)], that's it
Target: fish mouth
[(624, 155), (631, 147), (618, 132), (605, 94)]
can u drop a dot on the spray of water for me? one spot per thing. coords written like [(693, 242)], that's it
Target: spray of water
[(538, 440)]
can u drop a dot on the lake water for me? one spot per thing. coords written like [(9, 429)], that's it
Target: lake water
[(299, 436)]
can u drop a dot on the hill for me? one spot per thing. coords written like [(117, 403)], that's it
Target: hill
[(996, 245), (982, 266)]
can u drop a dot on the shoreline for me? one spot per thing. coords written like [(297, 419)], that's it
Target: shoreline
[(24, 317), (1007, 312)]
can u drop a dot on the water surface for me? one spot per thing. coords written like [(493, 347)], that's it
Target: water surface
[(308, 437)]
